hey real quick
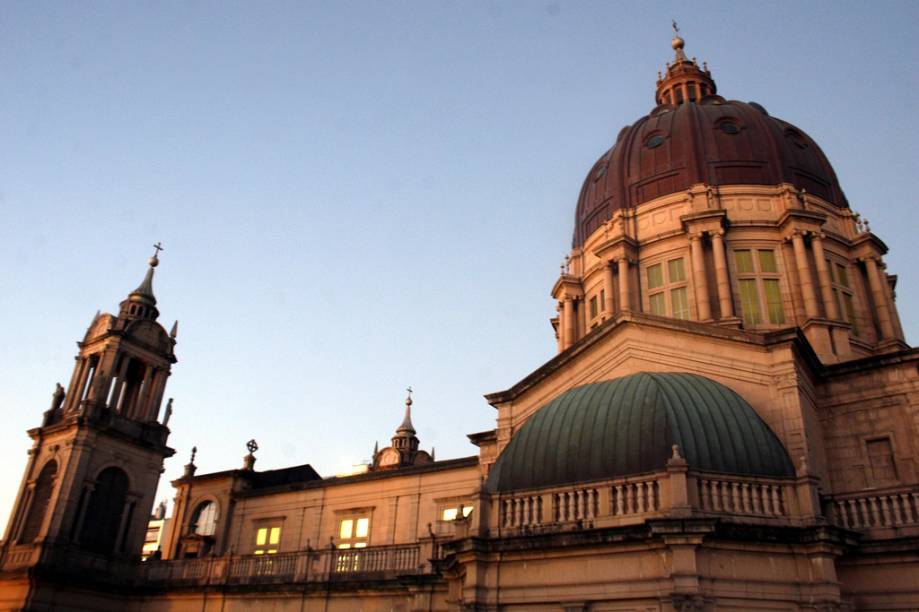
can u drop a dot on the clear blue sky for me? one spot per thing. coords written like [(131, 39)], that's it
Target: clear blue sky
[(360, 196)]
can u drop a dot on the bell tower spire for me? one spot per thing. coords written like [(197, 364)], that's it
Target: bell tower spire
[(97, 455)]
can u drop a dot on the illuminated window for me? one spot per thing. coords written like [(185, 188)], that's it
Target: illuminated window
[(267, 539), (204, 519), (451, 512), (758, 285), (354, 532), (667, 289), (843, 294)]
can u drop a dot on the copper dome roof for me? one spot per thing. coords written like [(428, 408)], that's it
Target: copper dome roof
[(712, 141)]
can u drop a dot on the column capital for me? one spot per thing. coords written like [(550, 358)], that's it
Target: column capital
[(719, 233)]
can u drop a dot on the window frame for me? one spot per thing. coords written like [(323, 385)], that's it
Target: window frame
[(270, 526), (842, 290), (668, 287), (759, 276), (353, 541)]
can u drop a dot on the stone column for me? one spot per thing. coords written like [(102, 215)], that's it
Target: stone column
[(725, 301), (804, 275), (568, 323), (823, 277), (608, 288), (699, 277), (625, 293), (880, 297)]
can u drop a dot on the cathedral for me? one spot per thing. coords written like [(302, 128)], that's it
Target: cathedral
[(731, 422)]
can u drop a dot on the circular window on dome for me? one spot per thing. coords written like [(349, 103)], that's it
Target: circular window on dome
[(654, 141), (729, 127)]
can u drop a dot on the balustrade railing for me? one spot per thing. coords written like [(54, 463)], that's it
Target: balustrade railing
[(877, 509), (738, 496), (635, 497)]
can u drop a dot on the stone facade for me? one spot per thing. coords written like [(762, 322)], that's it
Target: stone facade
[(771, 288)]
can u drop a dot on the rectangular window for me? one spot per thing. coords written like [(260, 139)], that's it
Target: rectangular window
[(675, 270), (680, 303), (450, 513), (267, 539), (767, 261), (655, 276), (744, 262), (668, 294), (773, 301), (759, 286), (593, 307), (880, 456), (749, 302), (602, 299), (354, 532), (658, 305), (843, 294)]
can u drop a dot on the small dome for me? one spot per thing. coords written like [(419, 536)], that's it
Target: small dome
[(628, 426)]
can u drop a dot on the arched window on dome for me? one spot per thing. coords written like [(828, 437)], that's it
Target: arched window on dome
[(204, 519), (41, 496)]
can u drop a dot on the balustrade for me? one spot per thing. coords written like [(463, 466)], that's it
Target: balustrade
[(742, 497), (878, 509), (635, 497)]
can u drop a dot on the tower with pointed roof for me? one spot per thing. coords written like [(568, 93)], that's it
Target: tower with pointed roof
[(404, 450), (96, 457)]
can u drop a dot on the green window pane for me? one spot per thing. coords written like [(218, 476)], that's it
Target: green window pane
[(749, 302), (767, 261), (744, 261), (774, 301), (843, 275), (680, 303), (655, 276), (593, 307), (675, 270), (850, 312), (658, 306)]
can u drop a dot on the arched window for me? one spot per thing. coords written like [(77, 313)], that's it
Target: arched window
[(204, 519), (104, 512), (41, 495)]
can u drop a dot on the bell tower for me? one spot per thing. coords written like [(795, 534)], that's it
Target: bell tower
[(96, 458)]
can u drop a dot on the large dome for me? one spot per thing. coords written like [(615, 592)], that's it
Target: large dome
[(628, 426), (712, 141)]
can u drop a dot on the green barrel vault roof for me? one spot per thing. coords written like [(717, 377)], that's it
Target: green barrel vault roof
[(629, 425)]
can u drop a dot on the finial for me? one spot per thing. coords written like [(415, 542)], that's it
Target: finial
[(249, 460), (432, 454), (406, 425), (376, 448), (190, 467), (675, 452), (175, 330), (154, 261)]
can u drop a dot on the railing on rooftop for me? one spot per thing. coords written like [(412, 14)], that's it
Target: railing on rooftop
[(879, 512), (331, 565), (677, 491)]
